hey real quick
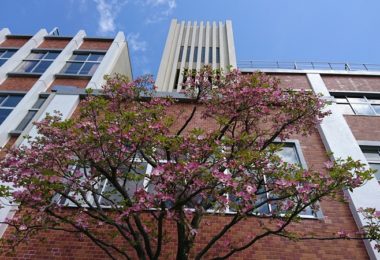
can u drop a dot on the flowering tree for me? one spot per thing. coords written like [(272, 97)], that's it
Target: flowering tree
[(128, 166)]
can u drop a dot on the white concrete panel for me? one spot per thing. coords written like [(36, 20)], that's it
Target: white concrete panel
[(222, 46), (3, 34), (338, 139), (214, 44), (165, 60), (230, 44), (200, 45), (207, 45), (181, 29), (185, 44), (193, 45)]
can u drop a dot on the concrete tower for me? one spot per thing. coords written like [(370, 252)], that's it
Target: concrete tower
[(189, 46)]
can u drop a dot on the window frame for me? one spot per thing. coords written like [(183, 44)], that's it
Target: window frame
[(38, 61), (368, 99), (371, 146), (71, 60), (5, 50)]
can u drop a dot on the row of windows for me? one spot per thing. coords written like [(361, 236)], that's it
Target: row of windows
[(195, 55), (38, 62), (358, 105), (5, 54), (109, 197)]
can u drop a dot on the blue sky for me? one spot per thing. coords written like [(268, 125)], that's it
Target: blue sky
[(284, 30)]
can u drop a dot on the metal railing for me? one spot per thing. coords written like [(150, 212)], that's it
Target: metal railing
[(308, 65)]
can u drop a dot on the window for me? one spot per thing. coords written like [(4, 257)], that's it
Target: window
[(37, 62), (83, 63), (180, 54), (358, 105), (372, 154), (188, 54), (31, 113), (7, 103), (217, 55), (5, 54), (195, 57), (203, 54), (210, 55)]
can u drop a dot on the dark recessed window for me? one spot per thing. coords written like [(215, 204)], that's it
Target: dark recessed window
[(37, 62), (203, 55), (195, 57), (180, 54), (217, 55), (5, 54), (7, 103), (188, 54), (83, 63), (210, 55), (31, 113)]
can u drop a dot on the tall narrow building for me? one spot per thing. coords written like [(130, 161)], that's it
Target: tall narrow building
[(189, 46)]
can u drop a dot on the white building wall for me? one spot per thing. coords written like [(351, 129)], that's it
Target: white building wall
[(189, 34)]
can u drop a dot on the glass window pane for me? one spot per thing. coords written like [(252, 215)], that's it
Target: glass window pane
[(362, 109), (27, 66), (89, 68), (12, 101), (72, 67), (51, 55), (376, 167), (376, 108), (374, 101), (371, 156), (29, 116), (2, 98), (289, 154), (357, 100), (3, 114), (42, 66), (341, 100), (35, 55), (8, 54), (1, 53), (2, 61), (96, 57), (39, 102), (345, 109), (79, 57)]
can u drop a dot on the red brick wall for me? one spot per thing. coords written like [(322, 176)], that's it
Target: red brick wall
[(59, 245), (352, 83), (18, 83), (54, 43), (364, 127), (293, 81), (13, 42), (95, 44), (80, 83)]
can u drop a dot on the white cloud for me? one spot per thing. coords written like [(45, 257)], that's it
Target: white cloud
[(108, 11), (135, 43), (165, 8)]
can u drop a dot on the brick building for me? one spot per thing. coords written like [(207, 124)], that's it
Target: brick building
[(48, 72)]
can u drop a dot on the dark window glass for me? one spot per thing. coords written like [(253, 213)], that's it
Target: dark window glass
[(51, 55), (180, 54), (217, 55), (3, 114), (210, 55), (2, 98), (2, 61), (12, 101), (42, 66), (88, 68), (203, 54), (176, 79), (72, 67), (195, 57), (80, 57), (28, 66), (188, 54), (8, 53), (39, 102), (29, 116), (96, 57)]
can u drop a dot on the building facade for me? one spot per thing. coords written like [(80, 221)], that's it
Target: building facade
[(47, 72)]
